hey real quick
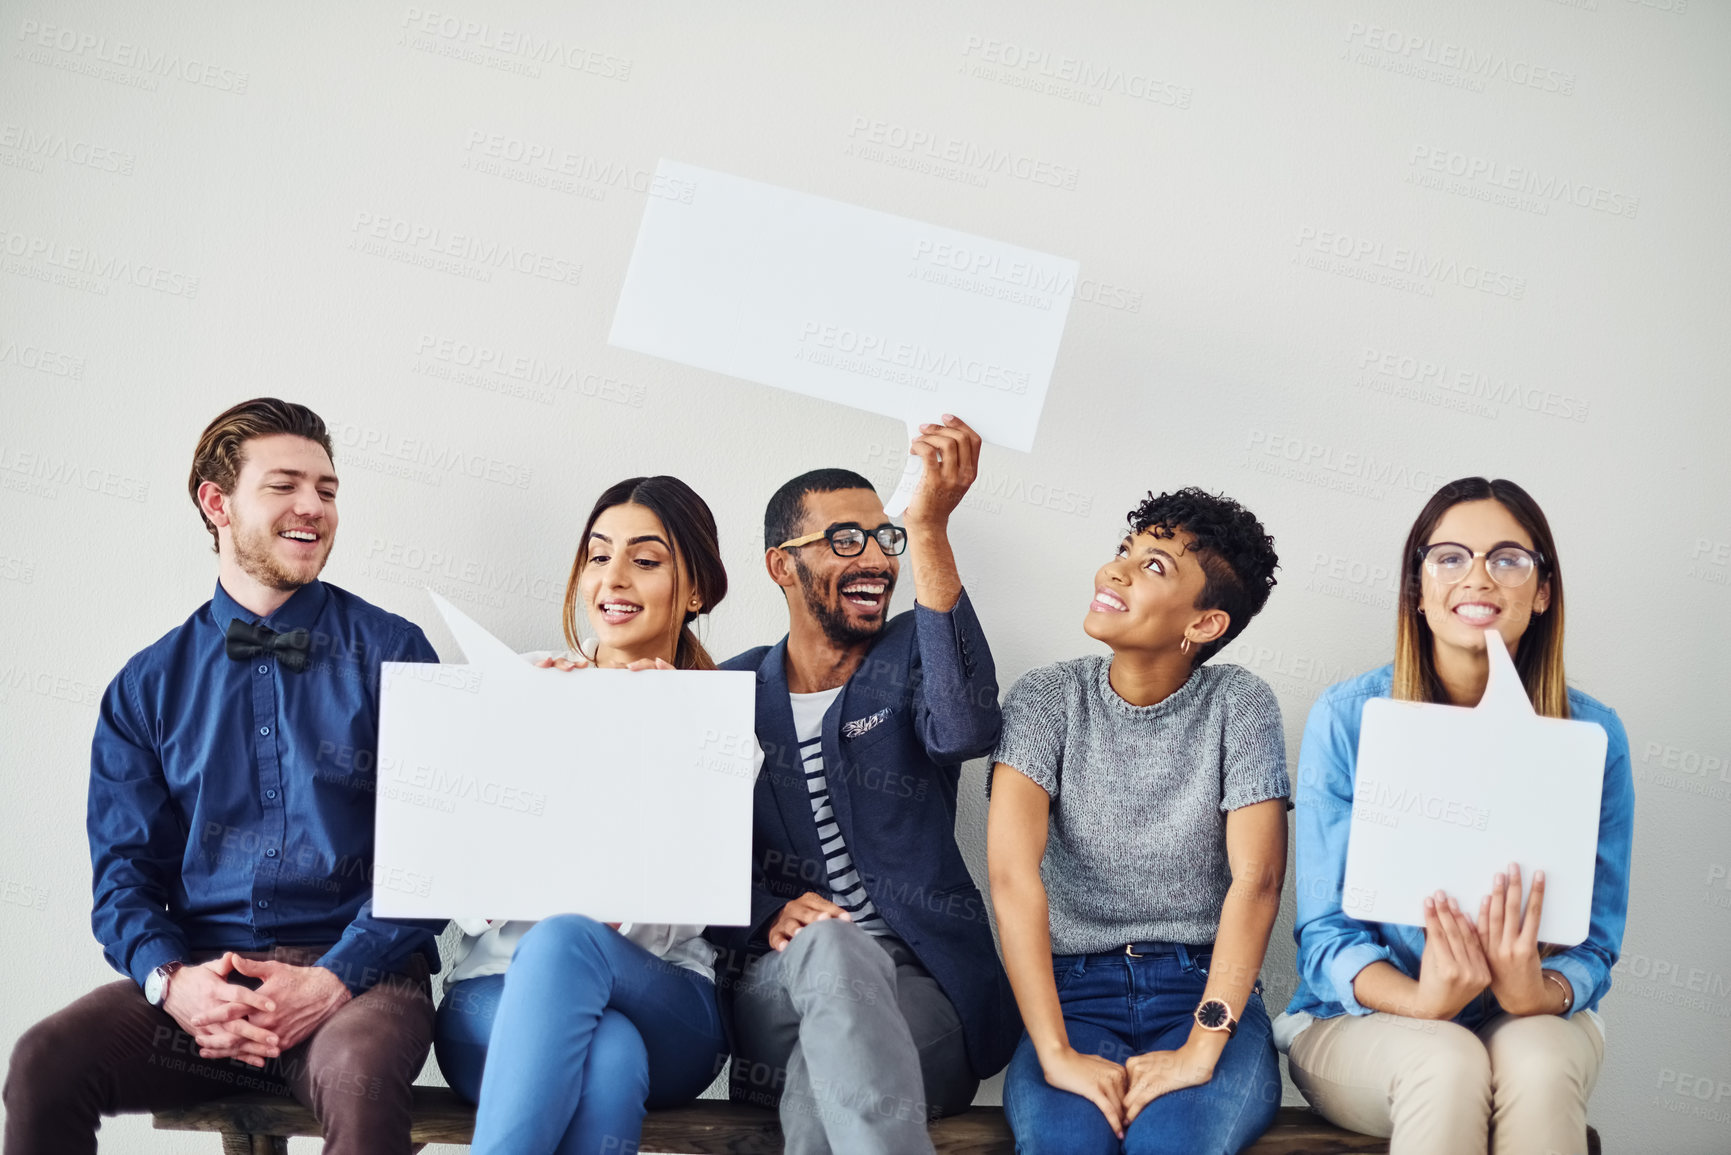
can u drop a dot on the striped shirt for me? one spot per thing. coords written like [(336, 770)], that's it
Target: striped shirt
[(846, 889)]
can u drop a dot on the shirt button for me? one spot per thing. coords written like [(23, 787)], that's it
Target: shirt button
[(264, 669), (271, 853), (270, 793), (265, 730), (264, 904)]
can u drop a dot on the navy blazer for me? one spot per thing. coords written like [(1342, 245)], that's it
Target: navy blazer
[(924, 700)]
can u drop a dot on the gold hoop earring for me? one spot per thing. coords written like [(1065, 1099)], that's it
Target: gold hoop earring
[(1184, 646)]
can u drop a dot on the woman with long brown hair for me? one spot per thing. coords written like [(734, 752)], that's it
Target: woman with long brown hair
[(581, 1026), (1470, 1034)]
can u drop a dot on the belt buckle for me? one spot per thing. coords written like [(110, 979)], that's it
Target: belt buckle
[(1129, 949)]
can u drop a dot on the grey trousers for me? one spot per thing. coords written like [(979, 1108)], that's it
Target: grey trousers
[(853, 1039)]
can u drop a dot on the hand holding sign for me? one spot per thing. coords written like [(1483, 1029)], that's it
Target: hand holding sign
[(1452, 972), (515, 793), (1447, 796), (943, 460), (1510, 940)]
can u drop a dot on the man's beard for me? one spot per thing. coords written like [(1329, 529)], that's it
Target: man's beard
[(253, 553), (832, 617)]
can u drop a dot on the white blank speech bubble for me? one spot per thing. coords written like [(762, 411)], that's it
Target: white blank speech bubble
[(1446, 796), (509, 792)]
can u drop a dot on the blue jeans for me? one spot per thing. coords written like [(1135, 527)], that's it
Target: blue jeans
[(567, 1050), (1117, 1006)]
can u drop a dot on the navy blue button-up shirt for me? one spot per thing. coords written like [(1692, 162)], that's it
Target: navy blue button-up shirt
[(231, 802)]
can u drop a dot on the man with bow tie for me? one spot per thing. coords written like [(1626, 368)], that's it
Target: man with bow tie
[(232, 781), (866, 994)]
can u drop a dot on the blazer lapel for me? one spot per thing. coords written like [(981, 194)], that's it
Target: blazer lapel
[(835, 770), (785, 773)]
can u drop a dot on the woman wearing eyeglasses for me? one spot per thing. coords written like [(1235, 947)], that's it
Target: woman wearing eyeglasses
[(1468, 1035)]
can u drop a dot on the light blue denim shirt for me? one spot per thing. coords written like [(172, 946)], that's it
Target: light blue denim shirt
[(1333, 947)]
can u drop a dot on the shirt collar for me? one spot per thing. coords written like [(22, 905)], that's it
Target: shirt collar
[(299, 612)]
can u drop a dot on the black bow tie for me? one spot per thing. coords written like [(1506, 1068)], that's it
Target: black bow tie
[(245, 640)]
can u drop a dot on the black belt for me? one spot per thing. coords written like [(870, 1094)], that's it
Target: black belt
[(1159, 949)]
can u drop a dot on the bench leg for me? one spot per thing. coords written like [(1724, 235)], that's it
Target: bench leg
[(241, 1143)]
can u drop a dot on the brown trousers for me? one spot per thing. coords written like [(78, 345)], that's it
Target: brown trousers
[(111, 1052)]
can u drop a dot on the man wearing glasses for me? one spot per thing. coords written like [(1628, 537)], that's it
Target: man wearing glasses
[(867, 995)]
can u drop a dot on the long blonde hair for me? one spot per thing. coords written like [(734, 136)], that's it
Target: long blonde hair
[(1538, 655)]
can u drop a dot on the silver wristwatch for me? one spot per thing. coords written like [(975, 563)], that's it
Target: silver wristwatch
[(156, 983)]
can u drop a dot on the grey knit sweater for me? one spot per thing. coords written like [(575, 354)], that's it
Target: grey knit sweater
[(1136, 850)]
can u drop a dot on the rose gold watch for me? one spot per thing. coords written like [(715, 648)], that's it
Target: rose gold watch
[(1215, 1015)]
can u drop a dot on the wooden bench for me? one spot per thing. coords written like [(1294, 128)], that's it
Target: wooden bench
[(262, 1125)]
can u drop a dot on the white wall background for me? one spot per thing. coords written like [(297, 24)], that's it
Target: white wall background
[(180, 187)]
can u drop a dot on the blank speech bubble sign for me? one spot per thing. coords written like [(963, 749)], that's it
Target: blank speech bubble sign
[(1446, 796), (510, 792), (865, 308)]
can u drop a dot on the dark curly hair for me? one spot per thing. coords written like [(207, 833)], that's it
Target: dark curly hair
[(1237, 556)]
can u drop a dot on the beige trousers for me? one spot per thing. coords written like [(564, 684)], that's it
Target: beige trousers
[(1517, 1086)]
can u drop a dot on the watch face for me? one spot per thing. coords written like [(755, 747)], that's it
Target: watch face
[(153, 983), (1212, 1014)]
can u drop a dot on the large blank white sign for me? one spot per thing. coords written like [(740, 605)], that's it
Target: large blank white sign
[(509, 792), (873, 310), (1444, 797)]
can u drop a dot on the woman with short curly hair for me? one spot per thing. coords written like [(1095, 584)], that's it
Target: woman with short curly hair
[(1137, 842)]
